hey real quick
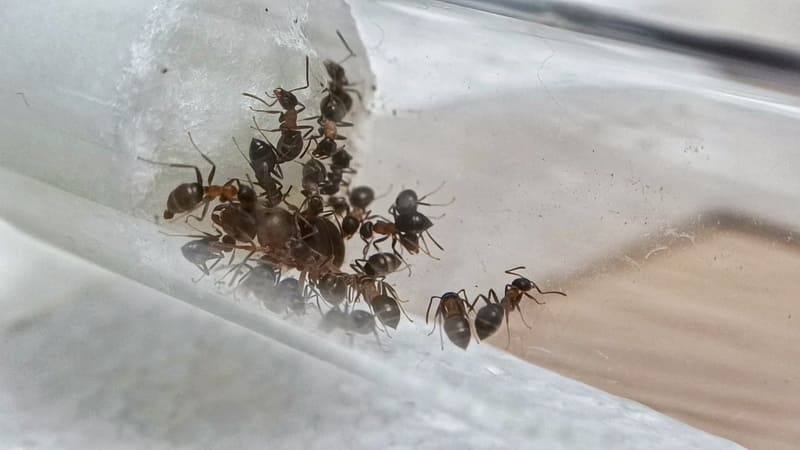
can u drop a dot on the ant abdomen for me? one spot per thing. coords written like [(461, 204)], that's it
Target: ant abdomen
[(457, 330), (387, 310), (488, 320), (183, 198)]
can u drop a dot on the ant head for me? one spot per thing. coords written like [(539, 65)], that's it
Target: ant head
[(247, 195), (406, 202), (362, 197), (349, 226), (342, 159), (315, 204), (523, 284), (287, 99), (366, 229), (335, 72)]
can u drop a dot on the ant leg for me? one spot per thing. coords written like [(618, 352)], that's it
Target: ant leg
[(533, 298), (480, 296), (508, 332), (523, 318), (208, 160), (202, 214), (245, 158), (435, 322), (262, 101), (237, 267), (430, 303), (376, 241), (303, 87), (358, 94), (261, 131), (434, 240), (441, 337), (512, 270), (349, 50), (304, 127), (463, 291), (546, 292), (176, 165)]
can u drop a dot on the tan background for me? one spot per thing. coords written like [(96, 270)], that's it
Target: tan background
[(705, 330)]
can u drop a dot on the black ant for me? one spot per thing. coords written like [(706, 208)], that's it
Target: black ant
[(273, 189), (338, 102), (294, 296), (201, 251), (451, 314), (260, 283), (188, 196), (490, 317), (359, 199), (414, 225)]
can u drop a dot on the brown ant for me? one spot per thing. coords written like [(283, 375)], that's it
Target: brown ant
[(451, 314), (326, 140), (188, 196), (338, 102), (490, 317), (359, 199), (379, 295)]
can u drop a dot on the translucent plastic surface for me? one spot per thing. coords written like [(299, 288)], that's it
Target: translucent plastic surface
[(559, 149)]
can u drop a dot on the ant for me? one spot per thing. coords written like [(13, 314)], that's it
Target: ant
[(201, 251), (186, 197), (260, 283), (338, 102), (294, 295), (326, 140), (451, 314), (490, 317), (273, 189), (356, 206), (355, 321), (290, 144)]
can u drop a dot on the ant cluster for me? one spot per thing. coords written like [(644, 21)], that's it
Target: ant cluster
[(256, 216)]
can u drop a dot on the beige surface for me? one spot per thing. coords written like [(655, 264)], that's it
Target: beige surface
[(707, 332)]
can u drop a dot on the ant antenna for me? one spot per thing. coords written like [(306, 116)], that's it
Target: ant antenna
[(243, 156), (261, 131), (198, 149), (350, 50), (255, 97)]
